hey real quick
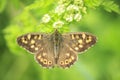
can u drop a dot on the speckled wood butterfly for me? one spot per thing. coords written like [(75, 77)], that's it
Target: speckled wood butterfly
[(56, 49)]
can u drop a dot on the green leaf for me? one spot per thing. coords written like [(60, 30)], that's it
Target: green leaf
[(93, 3), (2, 5), (111, 6)]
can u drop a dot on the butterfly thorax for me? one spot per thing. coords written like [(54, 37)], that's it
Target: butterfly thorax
[(56, 39)]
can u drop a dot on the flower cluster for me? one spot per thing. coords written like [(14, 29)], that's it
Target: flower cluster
[(58, 24), (66, 12), (46, 18)]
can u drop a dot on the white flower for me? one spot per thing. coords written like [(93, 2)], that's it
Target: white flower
[(60, 9), (72, 7), (46, 18), (78, 2), (84, 10), (58, 24), (77, 17), (69, 18)]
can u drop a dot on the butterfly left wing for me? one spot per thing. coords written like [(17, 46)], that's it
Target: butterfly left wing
[(45, 56), (40, 45), (72, 44), (31, 42)]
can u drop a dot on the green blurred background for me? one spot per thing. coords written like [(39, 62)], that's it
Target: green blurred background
[(101, 62)]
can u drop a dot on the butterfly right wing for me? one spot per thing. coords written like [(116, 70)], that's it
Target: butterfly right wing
[(71, 44), (67, 56), (81, 41), (40, 45)]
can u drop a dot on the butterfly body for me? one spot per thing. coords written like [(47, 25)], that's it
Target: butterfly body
[(56, 39), (56, 49)]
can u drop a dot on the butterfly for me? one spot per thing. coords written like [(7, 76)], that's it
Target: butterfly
[(56, 49)]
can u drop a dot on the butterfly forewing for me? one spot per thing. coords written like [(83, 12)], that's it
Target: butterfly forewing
[(31, 42), (80, 42)]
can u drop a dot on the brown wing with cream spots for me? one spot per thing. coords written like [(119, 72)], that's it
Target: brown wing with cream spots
[(45, 56), (72, 44), (81, 41), (31, 42), (67, 56), (41, 46)]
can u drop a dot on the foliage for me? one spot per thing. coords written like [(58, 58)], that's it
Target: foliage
[(108, 5), (111, 6)]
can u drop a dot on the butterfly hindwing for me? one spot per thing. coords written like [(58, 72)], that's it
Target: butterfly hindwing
[(45, 56), (67, 56)]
